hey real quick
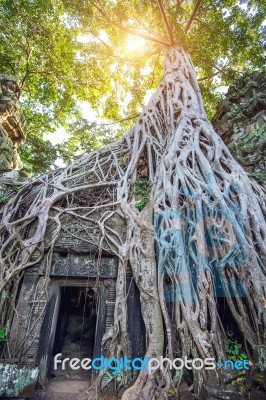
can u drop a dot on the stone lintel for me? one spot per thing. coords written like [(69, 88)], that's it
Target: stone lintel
[(80, 266)]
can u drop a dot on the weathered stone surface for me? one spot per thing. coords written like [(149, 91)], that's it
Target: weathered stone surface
[(184, 393), (223, 394), (10, 183), (6, 151), (17, 381), (11, 124), (241, 122), (79, 237), (27, 322), (257, 395), (73, 265), (11, 136)]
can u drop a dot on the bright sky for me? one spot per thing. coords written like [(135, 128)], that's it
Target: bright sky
[(132, 45), (60, 135)]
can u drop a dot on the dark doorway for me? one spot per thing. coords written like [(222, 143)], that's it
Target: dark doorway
[(76, 325)]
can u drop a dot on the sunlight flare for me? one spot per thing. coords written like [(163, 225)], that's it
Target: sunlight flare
[(134, 43)]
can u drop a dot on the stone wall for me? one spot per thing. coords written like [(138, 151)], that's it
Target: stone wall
[(11, 136), (241, 122), (11, 124)]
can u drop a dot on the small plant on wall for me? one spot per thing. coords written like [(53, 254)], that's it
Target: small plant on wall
[(141, 188), (235, 351), (2, 339)]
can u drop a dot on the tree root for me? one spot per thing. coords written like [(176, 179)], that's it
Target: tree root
[(202, 230)]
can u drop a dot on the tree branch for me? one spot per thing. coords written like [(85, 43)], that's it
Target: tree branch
[(192, 16), (28, 52), (165, 20), (221, 71), (207, 77), (147, 29), (153, 38)]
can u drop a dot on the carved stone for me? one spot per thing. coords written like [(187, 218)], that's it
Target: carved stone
[(77, 238), (241, 122), (27, 323), (11, 124), (80, 265)]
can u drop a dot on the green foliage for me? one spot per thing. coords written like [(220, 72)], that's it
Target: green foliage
[(141, 188), (2, 339), (38, 42), (106, 377), (240, 381), (172, 392), (258, 176), (84, 137), (16, 189), (37, 155), (4, 199), (226, 39), (2, 336), (142, 202), (250, 145), (234, 350)]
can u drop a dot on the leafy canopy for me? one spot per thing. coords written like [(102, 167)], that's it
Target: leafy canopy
[(109, 53)]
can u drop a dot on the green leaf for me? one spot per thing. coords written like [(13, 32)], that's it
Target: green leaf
[(2, 335), (172, 392)]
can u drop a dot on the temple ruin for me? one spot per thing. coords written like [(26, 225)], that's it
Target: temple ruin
[(64, 301)]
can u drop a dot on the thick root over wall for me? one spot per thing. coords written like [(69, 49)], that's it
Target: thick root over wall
[(202, 228)]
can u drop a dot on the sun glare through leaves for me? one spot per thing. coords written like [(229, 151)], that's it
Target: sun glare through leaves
[(133, 43)]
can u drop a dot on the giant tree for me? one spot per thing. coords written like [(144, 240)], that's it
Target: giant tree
[(194, 222)]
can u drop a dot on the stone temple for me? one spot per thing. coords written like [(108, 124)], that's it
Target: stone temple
[(81, 291), (72, 314)]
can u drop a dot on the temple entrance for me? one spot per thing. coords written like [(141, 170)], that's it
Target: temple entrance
[(76, 327)]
